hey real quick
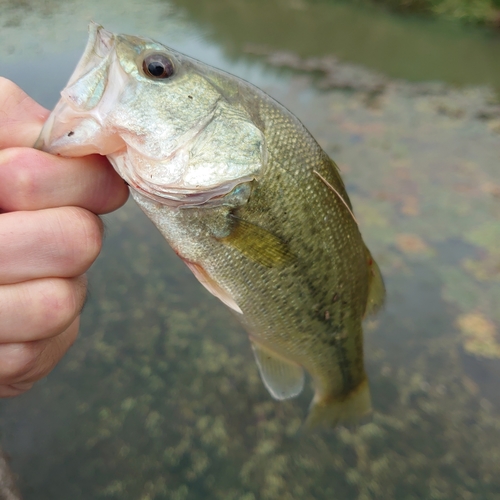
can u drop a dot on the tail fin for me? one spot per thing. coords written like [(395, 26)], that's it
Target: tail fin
[(352, 408)]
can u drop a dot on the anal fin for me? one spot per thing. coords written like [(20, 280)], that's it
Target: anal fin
[(283, 378)]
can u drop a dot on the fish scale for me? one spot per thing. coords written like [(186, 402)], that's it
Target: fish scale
[(275, 238)]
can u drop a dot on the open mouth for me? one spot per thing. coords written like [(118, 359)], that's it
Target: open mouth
[(75, 124)]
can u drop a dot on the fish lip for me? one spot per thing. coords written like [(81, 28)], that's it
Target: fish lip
[(92, 71), (97, 31), (99, 43), (76, 110)]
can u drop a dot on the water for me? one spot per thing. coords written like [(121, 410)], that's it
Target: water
[(160, 397)]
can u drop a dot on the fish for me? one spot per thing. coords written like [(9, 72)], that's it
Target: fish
[(245, 196)]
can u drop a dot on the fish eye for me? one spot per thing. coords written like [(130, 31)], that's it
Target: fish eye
[(158, 66)]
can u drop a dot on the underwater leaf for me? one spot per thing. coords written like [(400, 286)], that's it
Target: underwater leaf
[(487, 236), (479, 335), (487, 269), (412, 244), (459, 289)]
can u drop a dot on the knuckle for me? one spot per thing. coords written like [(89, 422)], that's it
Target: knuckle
[(86, 239), (8, 391), (7, 85), (21, 178), (60, 302), (13, 390), (81, 235), (22, 359)]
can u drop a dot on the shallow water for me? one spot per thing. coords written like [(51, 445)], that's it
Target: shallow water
[(160, 397)]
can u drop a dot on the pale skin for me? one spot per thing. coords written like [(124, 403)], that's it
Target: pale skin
[(50, 234)]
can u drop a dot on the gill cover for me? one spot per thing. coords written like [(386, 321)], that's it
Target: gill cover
[(173, 138)]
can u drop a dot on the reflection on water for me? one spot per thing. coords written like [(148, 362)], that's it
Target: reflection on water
[(160, 397), (412, 48)]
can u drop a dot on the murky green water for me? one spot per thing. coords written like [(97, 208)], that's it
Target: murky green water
[(160, 397)]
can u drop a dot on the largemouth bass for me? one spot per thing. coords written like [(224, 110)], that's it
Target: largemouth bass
[(245, 196)]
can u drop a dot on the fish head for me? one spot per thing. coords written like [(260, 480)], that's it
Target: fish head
[(170, 125)]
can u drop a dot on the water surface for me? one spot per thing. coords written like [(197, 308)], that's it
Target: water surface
[(160, 397)]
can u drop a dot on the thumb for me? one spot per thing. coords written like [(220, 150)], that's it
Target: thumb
[(21, 118)]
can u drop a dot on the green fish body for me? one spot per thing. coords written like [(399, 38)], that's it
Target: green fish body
[(245, 196)]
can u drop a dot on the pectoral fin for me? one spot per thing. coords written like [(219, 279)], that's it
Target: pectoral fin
[(283, 378), (258, 244)]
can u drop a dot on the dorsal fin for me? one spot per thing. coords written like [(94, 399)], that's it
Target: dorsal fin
[(283, 378)]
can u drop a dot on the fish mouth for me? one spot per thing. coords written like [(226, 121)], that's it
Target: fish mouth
[(75, 126)]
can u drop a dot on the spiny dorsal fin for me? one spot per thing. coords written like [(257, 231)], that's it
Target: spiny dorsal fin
[(283, 378), (257, 244)]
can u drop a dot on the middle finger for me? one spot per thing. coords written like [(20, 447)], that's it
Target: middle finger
[(57, 242), (39, 309)]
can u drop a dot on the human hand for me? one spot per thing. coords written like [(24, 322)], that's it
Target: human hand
[(49, 237)]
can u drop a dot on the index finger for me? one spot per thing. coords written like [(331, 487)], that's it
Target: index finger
[(21, 118), (33, 180)]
